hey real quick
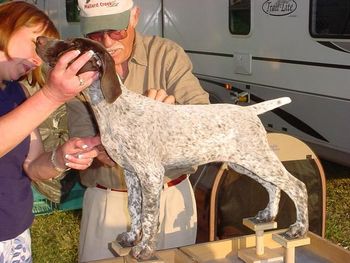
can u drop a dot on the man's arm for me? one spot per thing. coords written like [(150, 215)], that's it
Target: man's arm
[(80, 119)]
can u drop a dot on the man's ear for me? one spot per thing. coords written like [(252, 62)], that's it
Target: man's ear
[(134, 16)]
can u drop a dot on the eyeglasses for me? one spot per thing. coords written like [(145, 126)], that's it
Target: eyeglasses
[(113, 34)]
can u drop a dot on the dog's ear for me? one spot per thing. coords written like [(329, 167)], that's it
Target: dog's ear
[(110, 84)]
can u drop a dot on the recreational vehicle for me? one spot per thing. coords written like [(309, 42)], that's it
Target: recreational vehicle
[(247, 51)]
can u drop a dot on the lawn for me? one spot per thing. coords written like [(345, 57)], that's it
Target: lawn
[(55, 236), (338, 204)]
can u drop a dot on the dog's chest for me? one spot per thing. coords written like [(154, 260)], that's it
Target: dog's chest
[(120, 132)]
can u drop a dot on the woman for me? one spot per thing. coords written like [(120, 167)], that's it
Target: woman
[(22, 157)]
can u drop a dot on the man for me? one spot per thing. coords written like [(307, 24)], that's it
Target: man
[(160, 69)]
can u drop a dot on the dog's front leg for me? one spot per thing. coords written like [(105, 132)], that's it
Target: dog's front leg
[(152, 184), (129, 239)]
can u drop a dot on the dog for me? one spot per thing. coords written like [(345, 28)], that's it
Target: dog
[(147, 138)]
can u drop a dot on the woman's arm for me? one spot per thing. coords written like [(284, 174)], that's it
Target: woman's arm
[(76, 153)]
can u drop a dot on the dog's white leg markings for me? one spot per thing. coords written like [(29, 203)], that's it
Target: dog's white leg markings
[(300, 199), (274, 199), (271, 210), (270, 172), (131, 237), (151, 184)]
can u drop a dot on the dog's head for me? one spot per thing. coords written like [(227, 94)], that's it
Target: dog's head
[(50, 50)]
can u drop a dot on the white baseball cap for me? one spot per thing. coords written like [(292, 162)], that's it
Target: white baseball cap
[(97, 15)]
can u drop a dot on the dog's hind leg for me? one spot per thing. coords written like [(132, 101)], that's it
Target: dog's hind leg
[(271, 210), (270, 169), (298, 194), (130, 238)]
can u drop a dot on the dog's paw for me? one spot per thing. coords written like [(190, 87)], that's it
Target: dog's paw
[(127, 239), (264, 216), (143, 250), (296, 230)]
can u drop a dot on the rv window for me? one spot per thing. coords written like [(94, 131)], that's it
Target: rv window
[(72, 12), (330, 18), (239, 17)]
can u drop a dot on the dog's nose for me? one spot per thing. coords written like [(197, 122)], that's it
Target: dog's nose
[(41, 40)]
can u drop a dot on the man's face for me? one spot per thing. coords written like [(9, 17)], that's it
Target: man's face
[(118, 43)]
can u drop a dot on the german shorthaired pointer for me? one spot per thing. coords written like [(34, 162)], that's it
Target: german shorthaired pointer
[(147, 138)]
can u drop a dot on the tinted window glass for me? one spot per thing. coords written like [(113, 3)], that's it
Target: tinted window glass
[(239, 17), (330, 18)]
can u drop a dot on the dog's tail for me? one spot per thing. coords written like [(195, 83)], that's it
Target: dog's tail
[(268, 105)]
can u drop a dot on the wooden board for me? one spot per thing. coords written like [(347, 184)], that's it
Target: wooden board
[(249, 255), (168, 256), (319, 251)]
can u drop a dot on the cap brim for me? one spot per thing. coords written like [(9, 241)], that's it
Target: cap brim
[(107, 22)]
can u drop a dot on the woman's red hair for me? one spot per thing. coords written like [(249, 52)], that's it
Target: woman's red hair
[(17, 14)]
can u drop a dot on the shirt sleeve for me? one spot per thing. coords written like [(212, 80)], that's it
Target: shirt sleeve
[(181, 82), (80, 119)]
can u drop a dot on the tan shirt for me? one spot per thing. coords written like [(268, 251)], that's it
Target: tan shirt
[(155, 63)]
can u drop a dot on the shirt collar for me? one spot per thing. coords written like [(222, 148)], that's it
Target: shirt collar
[(139, 53)]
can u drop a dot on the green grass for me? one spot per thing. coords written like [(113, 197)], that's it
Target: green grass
[(338, 205), (55, 237), (338, 212)]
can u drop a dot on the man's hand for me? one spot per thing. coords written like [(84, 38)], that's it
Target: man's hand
[(104, 158), (160, 95)]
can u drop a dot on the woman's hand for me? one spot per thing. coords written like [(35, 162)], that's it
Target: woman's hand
[(63, 83), (77, 153)]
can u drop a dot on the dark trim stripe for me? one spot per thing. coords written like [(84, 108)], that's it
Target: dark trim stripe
[(209, 53), (288, 61), (274, 87), (284, 115), (299, 62), (332, 46)]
